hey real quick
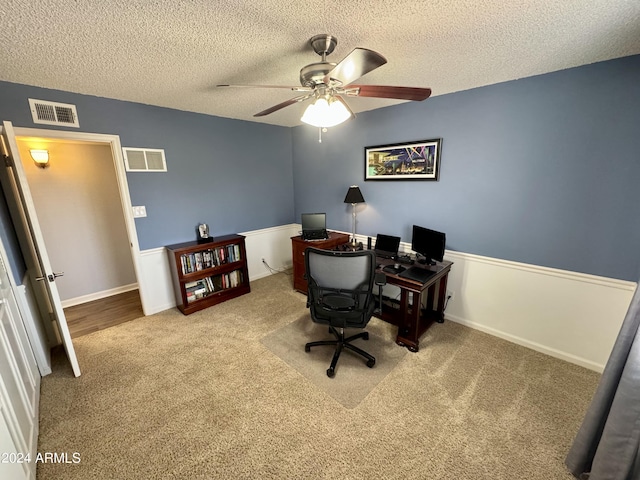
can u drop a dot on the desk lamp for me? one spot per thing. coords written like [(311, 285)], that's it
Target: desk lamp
[(354, 195)]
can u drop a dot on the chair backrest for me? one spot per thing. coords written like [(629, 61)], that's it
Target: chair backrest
[(347, 273)]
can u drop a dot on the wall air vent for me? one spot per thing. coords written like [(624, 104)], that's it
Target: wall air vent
[(144, 160), (53, 113)]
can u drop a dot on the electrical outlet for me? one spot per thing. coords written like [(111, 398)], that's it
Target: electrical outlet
[(263, 261), (450, 294)]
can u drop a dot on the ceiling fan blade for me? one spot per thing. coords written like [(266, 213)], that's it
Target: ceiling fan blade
[(291, 101), (380, 91), (358, 63), (295, 89)]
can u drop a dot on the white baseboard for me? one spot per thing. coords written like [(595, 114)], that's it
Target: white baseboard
[(98, 295), (568, 315), (526, 343), (273, 244)]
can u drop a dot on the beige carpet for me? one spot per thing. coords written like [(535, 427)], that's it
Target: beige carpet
[(201, 397), (353, 380)]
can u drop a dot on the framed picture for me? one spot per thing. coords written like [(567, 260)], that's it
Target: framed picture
[(405, 161)]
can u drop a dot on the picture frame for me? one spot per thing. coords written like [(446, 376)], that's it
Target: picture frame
[(403, 161)]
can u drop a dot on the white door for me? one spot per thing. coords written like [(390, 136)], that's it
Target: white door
[(19, 389), (38, 265)]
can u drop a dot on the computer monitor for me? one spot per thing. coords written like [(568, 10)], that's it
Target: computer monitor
[(429, 244), (387, 246), (314, 221)]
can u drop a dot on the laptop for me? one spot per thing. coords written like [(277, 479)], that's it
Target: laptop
[(387, 246), (417, 274), (314, 226)]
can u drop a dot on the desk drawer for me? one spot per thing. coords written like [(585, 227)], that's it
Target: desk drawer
[(299, 282)]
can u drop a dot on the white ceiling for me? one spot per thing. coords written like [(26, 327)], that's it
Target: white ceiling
[(172, 53)]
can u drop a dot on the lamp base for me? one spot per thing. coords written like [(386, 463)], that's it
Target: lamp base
[(353, 246)]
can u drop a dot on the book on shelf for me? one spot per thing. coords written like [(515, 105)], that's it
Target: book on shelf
[(205, 275), (197, 261), (198, 289)]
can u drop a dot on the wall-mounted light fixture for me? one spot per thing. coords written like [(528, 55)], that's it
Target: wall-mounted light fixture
[(41, 157)]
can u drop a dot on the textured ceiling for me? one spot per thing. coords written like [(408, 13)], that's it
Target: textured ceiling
[(172, 53)]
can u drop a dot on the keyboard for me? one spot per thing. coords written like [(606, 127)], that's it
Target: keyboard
[(315, 235), (418, 274)]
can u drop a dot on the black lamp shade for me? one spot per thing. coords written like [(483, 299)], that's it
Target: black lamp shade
[(354, 195)]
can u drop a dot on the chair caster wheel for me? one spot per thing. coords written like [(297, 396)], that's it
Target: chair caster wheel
[(365, 336), (371, 363), (330, 372)]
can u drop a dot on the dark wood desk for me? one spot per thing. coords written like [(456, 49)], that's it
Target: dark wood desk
[(298, 246), (427, 304)]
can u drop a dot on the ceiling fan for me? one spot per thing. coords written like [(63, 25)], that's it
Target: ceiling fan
[(326, 83)]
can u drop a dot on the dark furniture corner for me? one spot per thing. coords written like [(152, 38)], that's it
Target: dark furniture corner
[(298, 246), (205, 274), (420, 304)]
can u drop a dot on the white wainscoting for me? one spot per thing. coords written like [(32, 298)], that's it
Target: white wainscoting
[(568, 315), (156, 286), (272, 244), (572, 316)]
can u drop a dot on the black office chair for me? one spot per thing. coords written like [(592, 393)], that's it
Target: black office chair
[(340, 294)]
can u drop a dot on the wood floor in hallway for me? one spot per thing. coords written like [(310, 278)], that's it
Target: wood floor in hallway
[(104, 313)]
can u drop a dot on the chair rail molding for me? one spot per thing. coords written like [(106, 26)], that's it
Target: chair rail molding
[(572, 316), (568, 315), (273, 244)]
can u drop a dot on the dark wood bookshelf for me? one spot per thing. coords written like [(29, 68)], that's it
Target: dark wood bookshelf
[(205, 274)]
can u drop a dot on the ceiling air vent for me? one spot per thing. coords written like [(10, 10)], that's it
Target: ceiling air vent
[(53, 113), (144, 160)]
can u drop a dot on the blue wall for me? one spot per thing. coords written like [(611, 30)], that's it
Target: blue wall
[(544, 170), (233, 175)]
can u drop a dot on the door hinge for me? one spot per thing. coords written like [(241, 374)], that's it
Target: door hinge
[(7, 160)]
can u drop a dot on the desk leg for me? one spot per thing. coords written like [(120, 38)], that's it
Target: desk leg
[(442, 293), (408, 330)]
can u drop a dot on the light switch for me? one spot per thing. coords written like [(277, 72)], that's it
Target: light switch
[(139, 212)]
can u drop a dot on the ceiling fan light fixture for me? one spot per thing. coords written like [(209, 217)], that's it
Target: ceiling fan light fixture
[(326, 112)]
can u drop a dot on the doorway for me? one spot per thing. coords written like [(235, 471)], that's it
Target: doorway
[(119, 199), (76, 197)]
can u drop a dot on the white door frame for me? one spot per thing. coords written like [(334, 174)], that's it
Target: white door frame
[(33, 247), (123, 187)]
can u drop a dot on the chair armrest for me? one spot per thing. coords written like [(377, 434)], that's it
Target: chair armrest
[(380, 279)]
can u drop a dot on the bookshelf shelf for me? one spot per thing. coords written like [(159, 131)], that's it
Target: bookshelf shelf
[(205, 274)]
